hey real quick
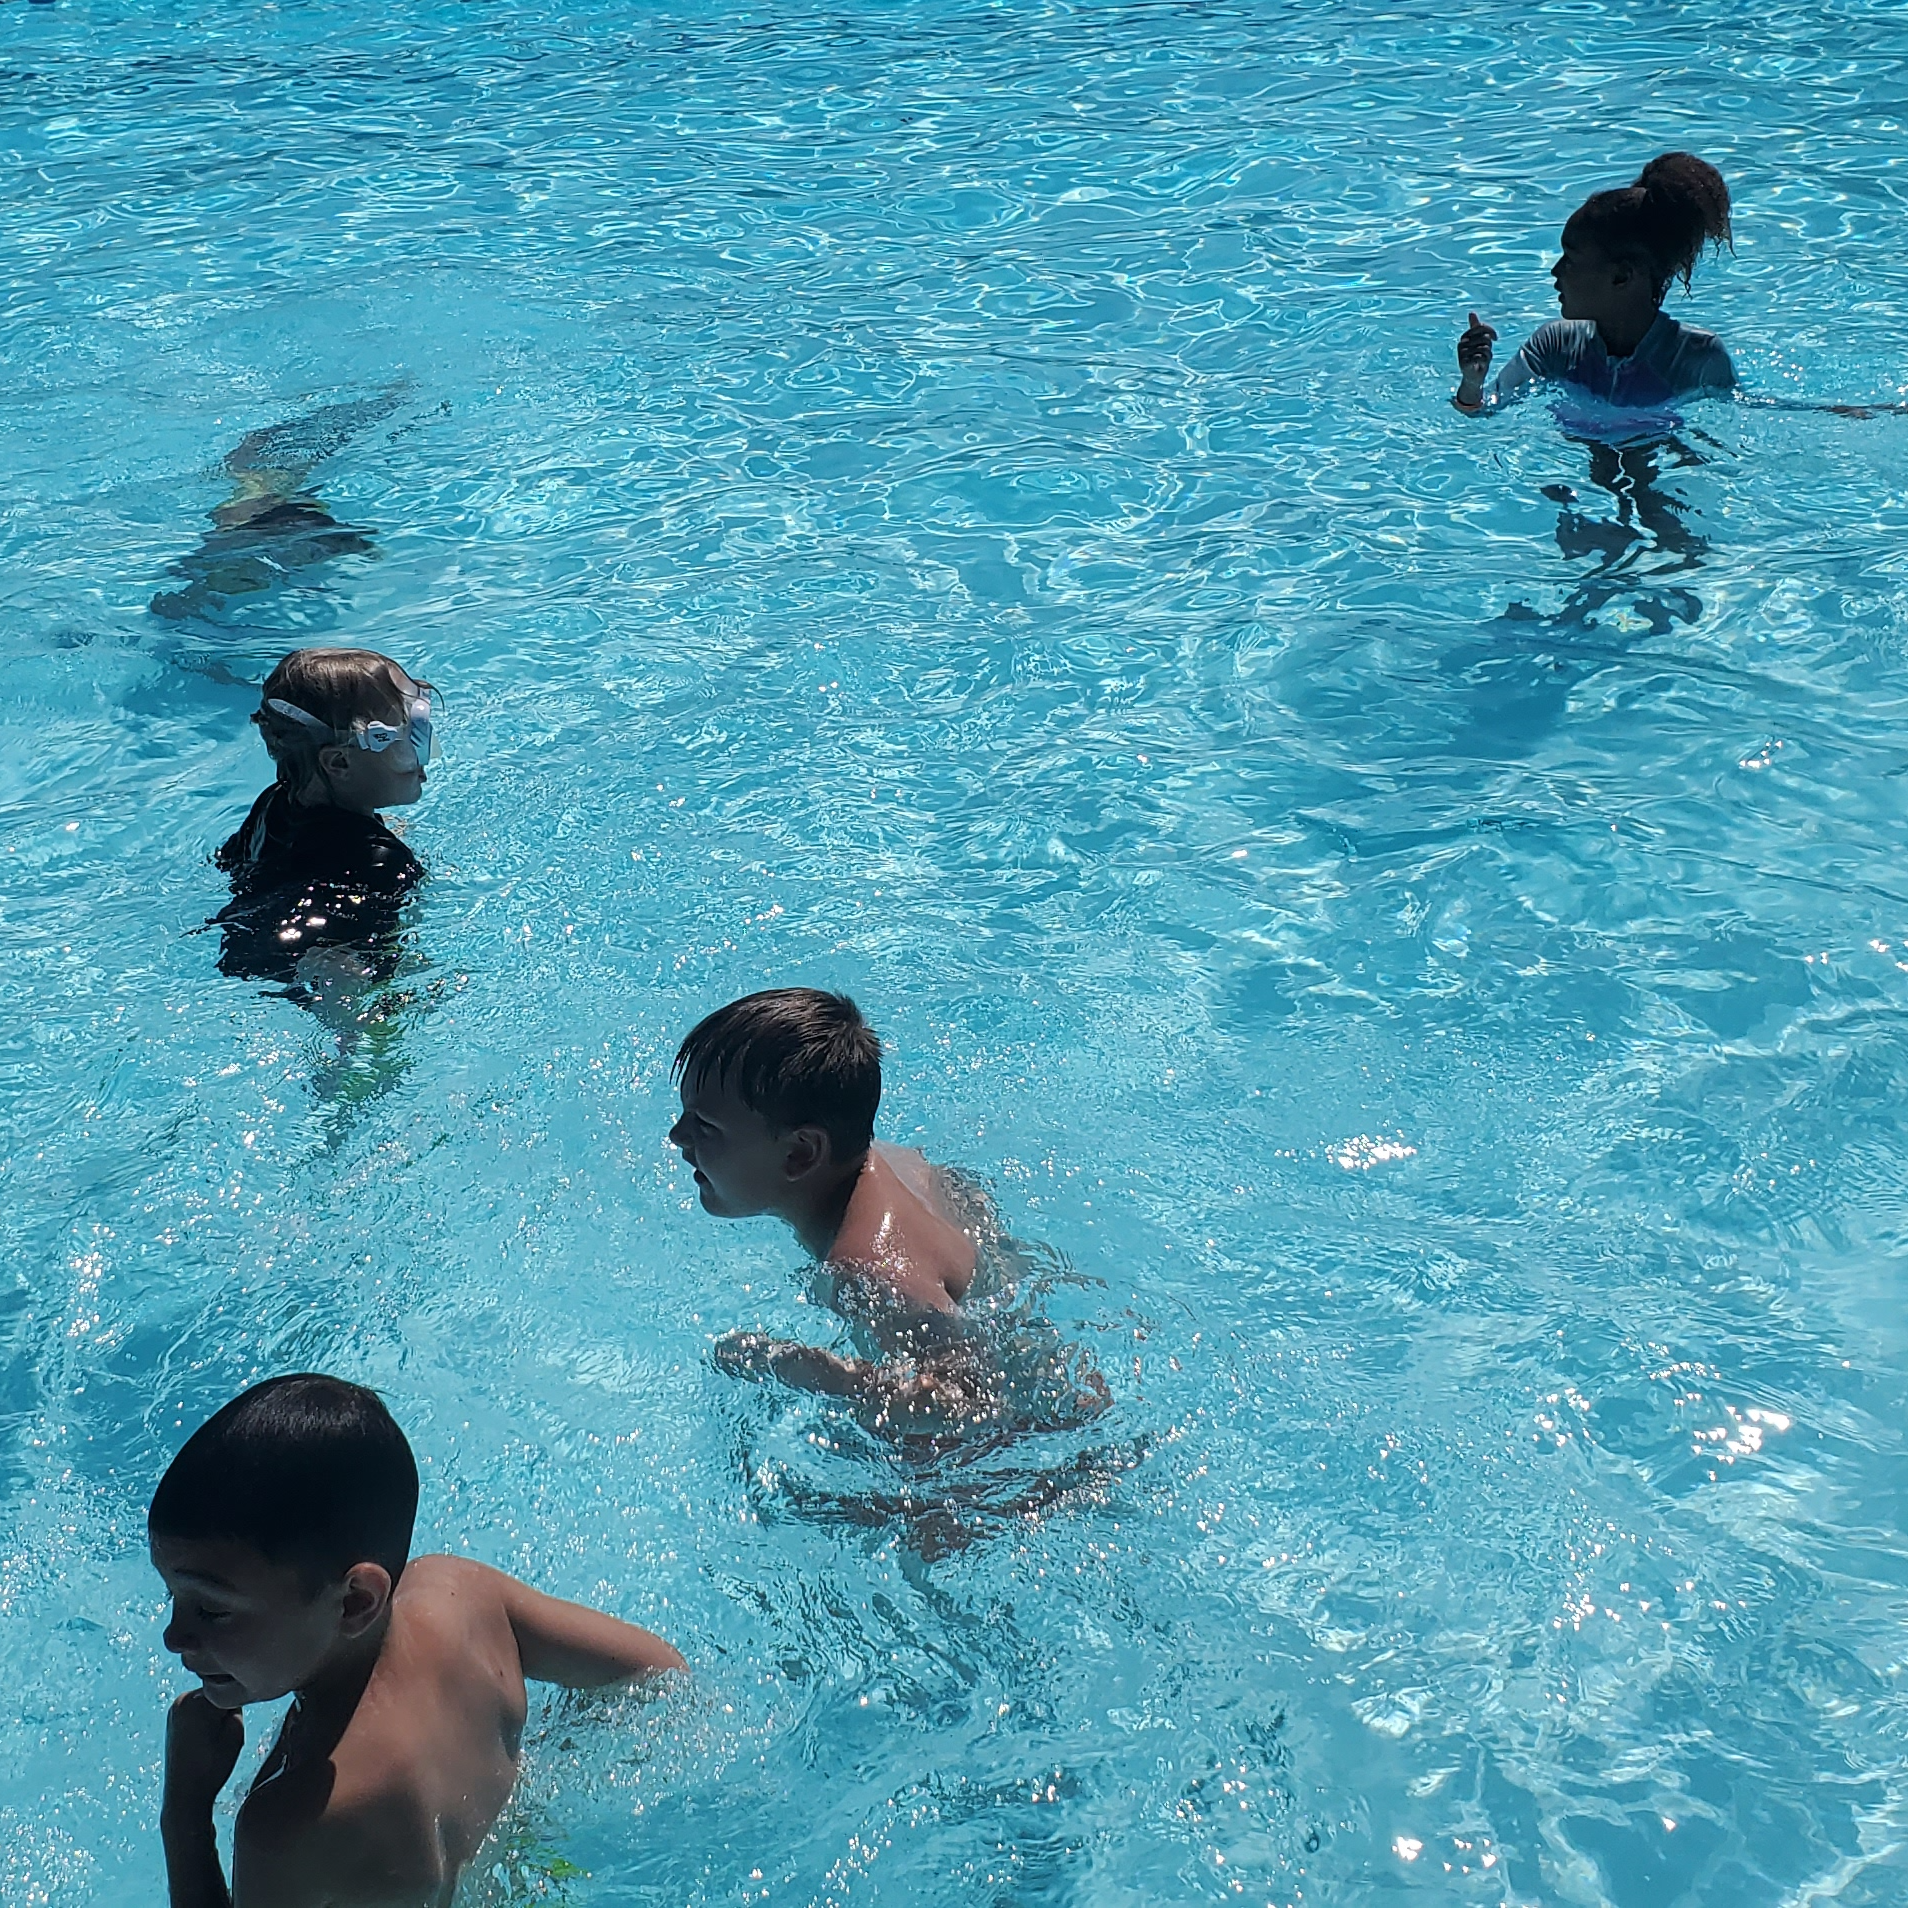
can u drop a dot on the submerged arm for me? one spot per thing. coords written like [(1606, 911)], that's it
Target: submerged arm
[(803, 1367), (903, 1390)]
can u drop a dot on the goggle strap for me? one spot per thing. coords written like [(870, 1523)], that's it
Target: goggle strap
[(297, 714)]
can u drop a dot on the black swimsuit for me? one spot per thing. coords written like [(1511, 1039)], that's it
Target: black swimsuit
[(306, 878)]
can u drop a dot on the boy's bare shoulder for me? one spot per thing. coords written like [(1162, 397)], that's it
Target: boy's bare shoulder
[(454, 1579), (934, 1186), (455, 1614), (909, 1165), (428, 1757), (899, 1231)]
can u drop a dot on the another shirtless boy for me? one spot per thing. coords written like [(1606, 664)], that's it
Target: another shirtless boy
[(283, 1532), (779, 1092)]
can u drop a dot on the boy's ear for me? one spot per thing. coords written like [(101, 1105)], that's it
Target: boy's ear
[(805, 1150), (332, 759), (367, 1595)]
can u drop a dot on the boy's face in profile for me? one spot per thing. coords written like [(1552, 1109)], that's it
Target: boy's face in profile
[(365, 780), (251, 1630), (742, 1166)]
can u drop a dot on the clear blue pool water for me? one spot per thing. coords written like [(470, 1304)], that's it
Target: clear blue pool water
[(957, 502)]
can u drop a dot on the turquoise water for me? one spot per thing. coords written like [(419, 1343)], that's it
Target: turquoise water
[(957, 502)]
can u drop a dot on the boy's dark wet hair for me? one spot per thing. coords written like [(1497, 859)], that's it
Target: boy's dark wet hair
[(308, 1470), (798, 1057), (339, 687), (1678, 205)]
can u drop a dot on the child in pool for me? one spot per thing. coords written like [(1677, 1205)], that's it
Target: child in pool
[(317, 878), (779, 1092), (283, 1532), (274, 530), (1622, 250)]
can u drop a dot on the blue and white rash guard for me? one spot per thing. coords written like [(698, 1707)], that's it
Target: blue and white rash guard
[(1672, 361)]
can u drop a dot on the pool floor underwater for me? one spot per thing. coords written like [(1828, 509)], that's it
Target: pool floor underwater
[(1404, 915)]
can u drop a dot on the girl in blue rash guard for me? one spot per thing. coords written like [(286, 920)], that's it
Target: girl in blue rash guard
[(1622, 250), (313, 867)]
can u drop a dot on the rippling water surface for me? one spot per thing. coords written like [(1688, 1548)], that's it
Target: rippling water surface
[(1408, 916)]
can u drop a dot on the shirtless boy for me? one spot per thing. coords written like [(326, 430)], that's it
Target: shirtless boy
[(779, 1092), (283, 1532)]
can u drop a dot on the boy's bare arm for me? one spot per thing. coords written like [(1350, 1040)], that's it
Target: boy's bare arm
[(202, 1748), (565, 1643), (902, 1389), (278, 1861), (804, 1367), (203, 1743)]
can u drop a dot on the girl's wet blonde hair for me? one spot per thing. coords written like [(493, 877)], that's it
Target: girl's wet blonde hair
[(338, 687)]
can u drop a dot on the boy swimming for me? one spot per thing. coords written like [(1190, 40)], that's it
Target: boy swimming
[(779, 1092), (1622, 250), (313, 866), (283, 1532)]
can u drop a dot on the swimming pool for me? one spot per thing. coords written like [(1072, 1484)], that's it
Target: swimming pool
[(957, 502)]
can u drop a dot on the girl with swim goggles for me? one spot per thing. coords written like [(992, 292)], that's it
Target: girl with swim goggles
[(313, 865)]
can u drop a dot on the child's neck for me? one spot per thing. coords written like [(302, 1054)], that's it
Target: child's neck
[(325, 1705), (1622, 335), (818, 1221), (318, 793)]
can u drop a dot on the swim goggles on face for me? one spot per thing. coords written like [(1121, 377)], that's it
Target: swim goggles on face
[(375, 736)]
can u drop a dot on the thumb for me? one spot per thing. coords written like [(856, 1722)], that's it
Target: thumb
[(1474, 321)]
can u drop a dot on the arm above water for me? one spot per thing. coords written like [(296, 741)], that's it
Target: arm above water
[(202, 1749), (285, 1854), (1474, 364), (1715, 372), (567, 1643), (1551, 351)]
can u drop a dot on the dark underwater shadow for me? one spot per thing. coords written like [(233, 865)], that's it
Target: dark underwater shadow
[(1645, 557), (943, 1504), (1639, 549)]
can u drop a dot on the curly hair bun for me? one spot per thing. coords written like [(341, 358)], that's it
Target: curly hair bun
[(1692, 191), (1677, 205)]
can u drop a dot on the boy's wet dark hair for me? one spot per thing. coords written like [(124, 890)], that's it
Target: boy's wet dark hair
[(798, 1057), (308, 1470), (338, 687), (1678, 205)]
